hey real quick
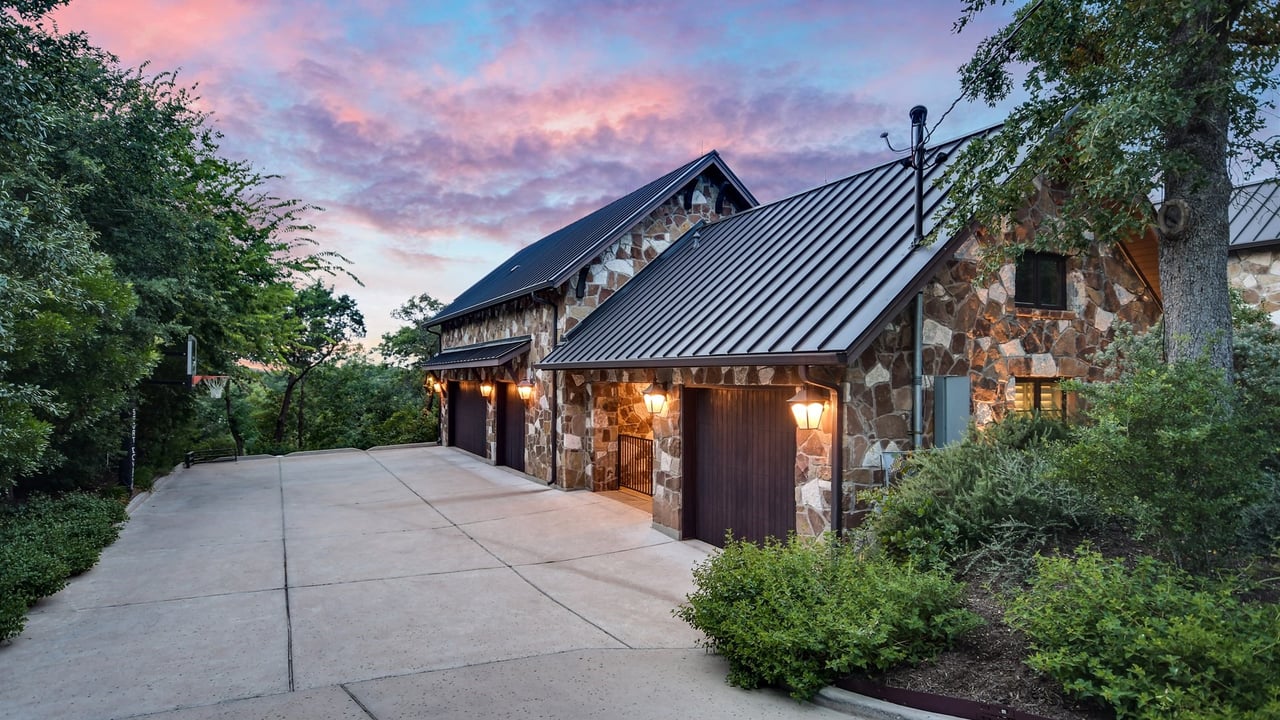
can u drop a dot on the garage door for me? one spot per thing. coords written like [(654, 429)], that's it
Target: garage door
[(742, 442), (510, 412), (468, 416)]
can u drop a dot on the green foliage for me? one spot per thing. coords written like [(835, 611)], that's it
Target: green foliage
[(802, 613), (1118, 99), (1149, 640), (412, 345), (1175, 448), (45, 541), (991, 500)]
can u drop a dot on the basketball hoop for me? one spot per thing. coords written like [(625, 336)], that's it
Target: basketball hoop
[(215, 383)]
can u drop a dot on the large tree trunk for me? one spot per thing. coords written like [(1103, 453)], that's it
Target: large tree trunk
[(1193, 259), (302, 404)]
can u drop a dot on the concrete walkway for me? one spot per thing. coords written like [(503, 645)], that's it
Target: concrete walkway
[(398, 583)]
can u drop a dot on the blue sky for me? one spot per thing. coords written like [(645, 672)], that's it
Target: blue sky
[(442, 136)]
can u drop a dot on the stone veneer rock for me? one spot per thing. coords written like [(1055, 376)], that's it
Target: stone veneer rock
[(1256, 272), (605, 275)]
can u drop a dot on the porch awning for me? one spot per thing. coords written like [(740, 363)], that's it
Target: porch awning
[(487, 354)]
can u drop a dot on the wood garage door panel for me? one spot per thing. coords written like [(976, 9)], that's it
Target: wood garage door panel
[(510, 427), (468, 417), (744, 464)]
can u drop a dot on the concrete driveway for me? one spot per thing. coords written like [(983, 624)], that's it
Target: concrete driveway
[(398, 583)]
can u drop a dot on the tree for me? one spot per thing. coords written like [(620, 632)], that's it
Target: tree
[(1124, 97), (65, 366), (321, 325), (411, 345)]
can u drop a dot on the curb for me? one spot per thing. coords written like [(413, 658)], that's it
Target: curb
[(137, 501), (869, 708), (403, 446)]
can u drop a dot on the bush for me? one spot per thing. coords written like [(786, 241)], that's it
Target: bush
[(1174, 448), (803, 613), (1150, 640), (44, 542), (991, 497)]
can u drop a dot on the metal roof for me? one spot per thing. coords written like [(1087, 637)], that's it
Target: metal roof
[(809, 279), (1255, 214), (556, 257), (486, 354)]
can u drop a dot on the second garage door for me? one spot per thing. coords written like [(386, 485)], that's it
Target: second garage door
[(742, 444), (468, 418)]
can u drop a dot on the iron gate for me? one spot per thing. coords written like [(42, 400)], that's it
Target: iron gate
[(635, 463)]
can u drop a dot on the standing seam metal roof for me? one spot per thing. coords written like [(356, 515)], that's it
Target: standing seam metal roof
[(1255, 214), (810, 277), (556, 257)]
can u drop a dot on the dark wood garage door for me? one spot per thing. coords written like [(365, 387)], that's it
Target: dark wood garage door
[(467, 418), (510, 427), (742, 443)]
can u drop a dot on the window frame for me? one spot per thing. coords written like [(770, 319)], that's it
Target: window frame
[(1038, 385), (1032, 263)]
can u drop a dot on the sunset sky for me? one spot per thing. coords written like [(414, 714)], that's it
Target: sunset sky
[(441, 137)]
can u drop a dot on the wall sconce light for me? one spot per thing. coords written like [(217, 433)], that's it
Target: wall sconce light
[(655, 398), (807, 406), (524, 389), (486, 389)]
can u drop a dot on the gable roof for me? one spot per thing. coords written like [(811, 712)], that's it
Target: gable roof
[(809, 279), (556, 257), (1255, 214)]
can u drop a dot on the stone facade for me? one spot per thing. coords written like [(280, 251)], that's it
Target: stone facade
[(967, 330), (1256, 272), (572, 301)]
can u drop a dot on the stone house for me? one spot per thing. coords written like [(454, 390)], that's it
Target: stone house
[(494, 332), (1254, 261), (824, 298)]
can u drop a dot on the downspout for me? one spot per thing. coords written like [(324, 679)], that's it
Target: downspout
[(917, 380), (555, 389), (837, 451)]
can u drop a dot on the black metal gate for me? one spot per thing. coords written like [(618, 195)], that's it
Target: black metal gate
[(635, 463)]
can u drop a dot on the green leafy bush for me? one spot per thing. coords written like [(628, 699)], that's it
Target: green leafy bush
[(992, 497), (45, 541), (1150, 640), (803, 613), (1175, 448)]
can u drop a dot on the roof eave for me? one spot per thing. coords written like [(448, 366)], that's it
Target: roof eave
[(804, 358)]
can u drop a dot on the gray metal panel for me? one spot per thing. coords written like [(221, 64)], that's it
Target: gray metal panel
[(1255, 214), (556, 257), (950, 408), (488, 354), (808, 276)]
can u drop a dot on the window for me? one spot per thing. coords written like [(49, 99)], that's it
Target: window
[(1041, 281), (1039, 395)]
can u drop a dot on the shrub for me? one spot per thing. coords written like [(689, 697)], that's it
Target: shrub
[(803, 613), (44, 542), (1150, 640), (991, 497), (1174, 448)]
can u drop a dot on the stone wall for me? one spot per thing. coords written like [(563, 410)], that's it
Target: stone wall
[(576, 461), (1256, 272), (636, 248)]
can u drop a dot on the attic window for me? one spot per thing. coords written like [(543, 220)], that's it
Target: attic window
[(1041, 281)]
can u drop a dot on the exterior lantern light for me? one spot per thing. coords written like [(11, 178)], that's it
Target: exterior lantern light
[(807, 406), (655, 398), (524, 389), (486, 388)]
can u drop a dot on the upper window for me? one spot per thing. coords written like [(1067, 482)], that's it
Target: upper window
[(1041, 281), (1044, 396)]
